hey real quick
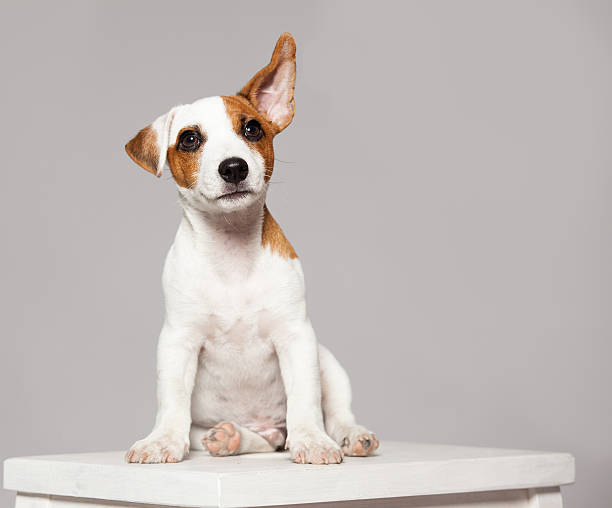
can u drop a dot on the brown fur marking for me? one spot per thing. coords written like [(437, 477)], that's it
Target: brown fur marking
[(143, 150), (284, 54), (185, 165), (272, 235), (240, 111)]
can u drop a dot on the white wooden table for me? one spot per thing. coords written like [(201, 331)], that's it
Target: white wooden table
[(403, 474)]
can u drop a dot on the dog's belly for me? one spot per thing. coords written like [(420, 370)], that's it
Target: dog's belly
[(239, 380)]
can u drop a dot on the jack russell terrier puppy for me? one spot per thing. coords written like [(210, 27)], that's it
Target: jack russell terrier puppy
[(239, 367)]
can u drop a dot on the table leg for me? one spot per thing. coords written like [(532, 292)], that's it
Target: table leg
[(545, 498)]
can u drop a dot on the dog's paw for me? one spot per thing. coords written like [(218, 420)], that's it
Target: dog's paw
[(223, 439), (359, 442), (315, 449), (155, 449)]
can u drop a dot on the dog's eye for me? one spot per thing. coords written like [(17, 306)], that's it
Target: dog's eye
[(252, 130), (190, 141)]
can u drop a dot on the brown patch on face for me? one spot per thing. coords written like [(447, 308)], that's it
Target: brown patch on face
[(143, 150), (185, 165), (240, 111), (272, 235)]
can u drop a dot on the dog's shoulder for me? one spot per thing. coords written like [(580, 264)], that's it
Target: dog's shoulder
[(272, 237)]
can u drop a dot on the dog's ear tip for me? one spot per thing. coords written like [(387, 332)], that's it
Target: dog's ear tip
[(128, 149), (142, 149), (287, 37), (129, 146), (286, 42)]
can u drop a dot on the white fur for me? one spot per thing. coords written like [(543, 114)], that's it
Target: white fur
[(237, 344)]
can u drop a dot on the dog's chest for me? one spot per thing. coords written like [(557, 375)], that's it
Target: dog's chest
[(236, 313), (238, 377), (235, 305), (232, 300), (237, 321)]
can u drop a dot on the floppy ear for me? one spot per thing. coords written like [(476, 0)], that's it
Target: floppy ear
[(271, 89), (149, 147)]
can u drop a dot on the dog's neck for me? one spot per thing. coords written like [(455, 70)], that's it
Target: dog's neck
[(230, 241)]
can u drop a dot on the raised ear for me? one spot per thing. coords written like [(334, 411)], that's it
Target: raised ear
[(149, 147), (271, 89)]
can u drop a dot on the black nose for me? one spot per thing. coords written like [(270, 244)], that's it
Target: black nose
[(234, 169)]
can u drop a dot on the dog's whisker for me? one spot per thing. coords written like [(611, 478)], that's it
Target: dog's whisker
[(230, 223)]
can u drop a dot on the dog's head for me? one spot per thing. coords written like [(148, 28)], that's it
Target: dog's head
[(219, 149)]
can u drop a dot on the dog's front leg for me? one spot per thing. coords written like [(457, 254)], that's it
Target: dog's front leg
[(296, 347), (177, 358)]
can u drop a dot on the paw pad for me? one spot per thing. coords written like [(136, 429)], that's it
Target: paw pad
[(223, 439), (361, 445)]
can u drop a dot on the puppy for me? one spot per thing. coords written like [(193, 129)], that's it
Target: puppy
[(239, 367)]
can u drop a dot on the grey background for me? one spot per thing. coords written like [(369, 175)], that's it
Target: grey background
[(446, 182)]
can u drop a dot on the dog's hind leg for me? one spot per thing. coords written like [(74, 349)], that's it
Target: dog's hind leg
[(228, 438), (340, 422)]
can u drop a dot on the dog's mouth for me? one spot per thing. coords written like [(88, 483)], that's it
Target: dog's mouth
[(234, 196)]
